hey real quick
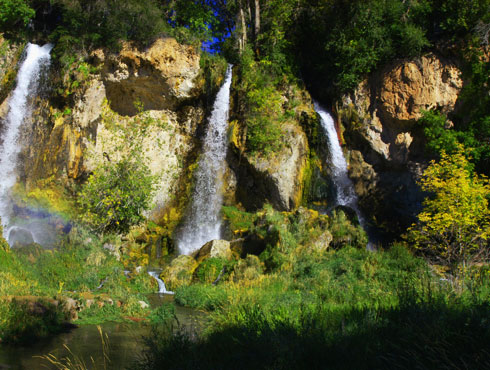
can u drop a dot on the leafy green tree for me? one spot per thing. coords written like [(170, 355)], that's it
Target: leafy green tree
[(14, 14), (438, 133), (454, 225)]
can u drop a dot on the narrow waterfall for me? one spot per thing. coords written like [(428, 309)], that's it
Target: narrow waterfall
[(344, 188), (203, 220), (162, 289), (19, 109)]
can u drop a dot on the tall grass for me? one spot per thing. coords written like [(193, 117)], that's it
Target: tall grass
[(348, 309), (75, 362)]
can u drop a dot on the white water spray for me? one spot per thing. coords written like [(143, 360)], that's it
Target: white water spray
[(344, 188), (162, 289), (19, 110), (203, 222)]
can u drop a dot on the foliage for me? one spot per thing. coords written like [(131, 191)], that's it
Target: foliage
[(19, 323), (88, 24), (345, 232), (349, 308), (436, 130), (119, 191), (358, 37), (239, 221), (263, 106), (471, 121), (209, 270), (14, 14), (163, 314), (116, 195), (201, 296), (455, 223)]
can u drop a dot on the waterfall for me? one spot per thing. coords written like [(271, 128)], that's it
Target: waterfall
[(344, 188), (203, 221), (162, 289), (19, 109)]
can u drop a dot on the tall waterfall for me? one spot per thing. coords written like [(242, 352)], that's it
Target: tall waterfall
[(19, 110), (203, 221), (344, 188)]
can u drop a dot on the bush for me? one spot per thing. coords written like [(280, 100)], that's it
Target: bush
[(119, 191), (454, 226), (21, 324), (116, 195), (208, 297), (209, 270)]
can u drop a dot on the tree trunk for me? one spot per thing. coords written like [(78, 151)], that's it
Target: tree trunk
[(242, 41), (257, 19)]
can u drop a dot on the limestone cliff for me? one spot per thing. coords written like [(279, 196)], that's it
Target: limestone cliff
[(163, 84), (385, 143), (283, 178)]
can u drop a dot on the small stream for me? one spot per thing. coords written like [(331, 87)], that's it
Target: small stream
[(125, 341)]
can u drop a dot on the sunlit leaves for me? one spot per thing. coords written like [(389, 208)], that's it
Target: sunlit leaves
[(455, 223)]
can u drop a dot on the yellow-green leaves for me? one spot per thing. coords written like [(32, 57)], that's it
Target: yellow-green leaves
[(455, 223)]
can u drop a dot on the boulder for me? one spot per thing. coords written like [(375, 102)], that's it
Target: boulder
[(214, 249), (422, 84), (18, 236), (321, 242), (71, 308), (143, 304), (179, 272)]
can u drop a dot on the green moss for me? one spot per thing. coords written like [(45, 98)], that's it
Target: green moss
[(47, 195), (8, 81)]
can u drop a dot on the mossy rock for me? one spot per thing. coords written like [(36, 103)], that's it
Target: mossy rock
[(180, 272)]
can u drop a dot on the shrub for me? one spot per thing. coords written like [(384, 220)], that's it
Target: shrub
[(455, 224), (116, 195), (19, 323), (209, 270), (119, 191)]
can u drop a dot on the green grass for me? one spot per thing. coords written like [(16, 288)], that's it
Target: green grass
[(344, 309)]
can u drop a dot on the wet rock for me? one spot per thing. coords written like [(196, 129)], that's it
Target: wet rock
[(179, 272), (276, 179), (214, 249), (19, 236)]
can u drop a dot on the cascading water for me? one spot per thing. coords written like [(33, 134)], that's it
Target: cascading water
[(203, 222), (162, 289), (19, 109), (344, 188)]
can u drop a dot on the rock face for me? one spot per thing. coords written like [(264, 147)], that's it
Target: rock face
[(10, 54), (64, 145), (413, 86), (386, 146), (160, 78), (276, 179)]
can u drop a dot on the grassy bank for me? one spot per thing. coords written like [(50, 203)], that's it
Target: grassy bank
[(344, 309)]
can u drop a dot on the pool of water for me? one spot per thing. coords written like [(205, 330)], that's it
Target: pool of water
[(125, 342)]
